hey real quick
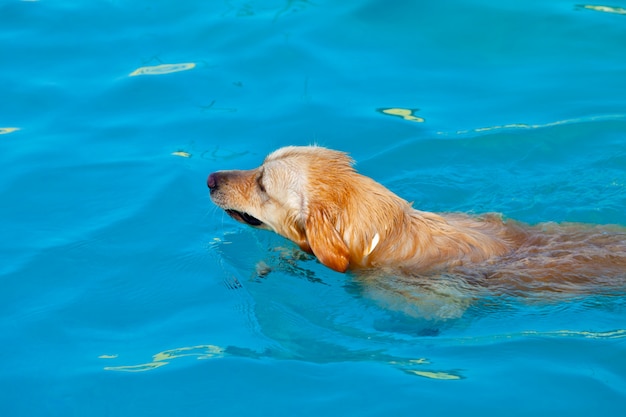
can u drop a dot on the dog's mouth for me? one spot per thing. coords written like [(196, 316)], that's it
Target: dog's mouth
[(244, 217)]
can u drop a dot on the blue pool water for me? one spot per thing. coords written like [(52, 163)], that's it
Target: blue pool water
[(125, 292)]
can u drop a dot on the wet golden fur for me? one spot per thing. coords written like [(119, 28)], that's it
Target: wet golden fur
[(314, 197)]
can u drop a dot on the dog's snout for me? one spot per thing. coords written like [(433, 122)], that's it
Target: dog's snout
[(213, 181)]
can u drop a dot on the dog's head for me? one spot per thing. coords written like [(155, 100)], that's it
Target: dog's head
[(300, 193)]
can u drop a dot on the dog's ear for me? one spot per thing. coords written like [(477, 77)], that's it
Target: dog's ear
[(325, 241)]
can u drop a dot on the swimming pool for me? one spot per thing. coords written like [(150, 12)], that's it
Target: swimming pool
[(126, 292)]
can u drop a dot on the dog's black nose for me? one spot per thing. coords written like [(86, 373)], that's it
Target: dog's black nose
[(211, 182)]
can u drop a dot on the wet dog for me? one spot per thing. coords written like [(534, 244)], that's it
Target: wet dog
[(314, 197)]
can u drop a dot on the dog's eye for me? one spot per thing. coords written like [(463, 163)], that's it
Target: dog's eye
[(259, 182)]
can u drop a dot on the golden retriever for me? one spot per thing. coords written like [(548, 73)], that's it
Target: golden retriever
[(314, 197)]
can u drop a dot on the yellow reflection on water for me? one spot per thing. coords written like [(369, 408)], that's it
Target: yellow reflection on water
[(434, 375), (163, 358), (7, 130), (517, 126), (107, 356), (163, 69), (136, 368), (406, 114), (604, 9), (182, 154), (613, 334), (200, 351), (409, 366)]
